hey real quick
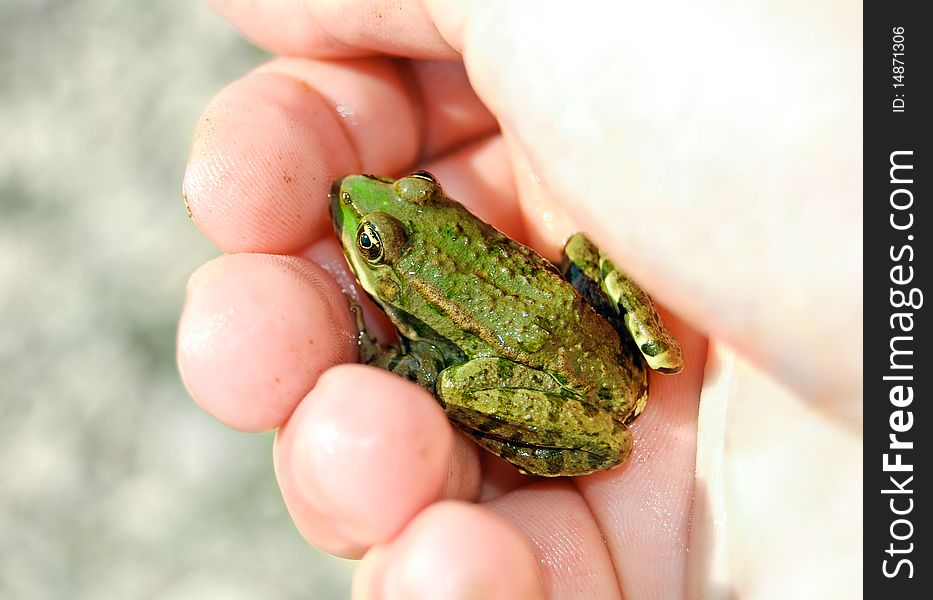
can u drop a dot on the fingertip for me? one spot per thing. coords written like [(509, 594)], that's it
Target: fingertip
[(366, 449), (269, 145), (452, 550), (265, 152), (256, 332), (369, 100)]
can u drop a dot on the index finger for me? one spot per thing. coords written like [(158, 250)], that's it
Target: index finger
[(269, 146)]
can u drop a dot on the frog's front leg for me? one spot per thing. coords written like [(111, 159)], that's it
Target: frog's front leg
[(591, 271), (525, 416), (417, 361)]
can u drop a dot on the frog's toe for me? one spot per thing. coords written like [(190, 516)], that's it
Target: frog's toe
[(664, 356)]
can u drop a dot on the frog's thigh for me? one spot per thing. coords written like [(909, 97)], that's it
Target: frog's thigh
[(641, 319), (525, 416)]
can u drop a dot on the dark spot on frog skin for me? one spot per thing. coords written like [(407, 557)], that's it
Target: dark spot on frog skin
[(596, 461), (504, 368), (486, 425), (651, 348), (591, 411), (553, 458)]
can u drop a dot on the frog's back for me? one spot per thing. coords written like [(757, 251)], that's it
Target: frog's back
[(492, 296)]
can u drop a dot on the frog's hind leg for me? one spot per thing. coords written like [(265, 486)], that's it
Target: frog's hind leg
[(618, 298), (554, 462), (526, 417)]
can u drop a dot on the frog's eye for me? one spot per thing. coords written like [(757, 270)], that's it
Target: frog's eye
[(424, 175), (369, 242), (380, 238)]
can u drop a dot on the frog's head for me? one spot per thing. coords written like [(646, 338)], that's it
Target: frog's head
[(374, 219)]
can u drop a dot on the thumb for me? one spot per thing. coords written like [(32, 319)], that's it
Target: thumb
[(705, 150)]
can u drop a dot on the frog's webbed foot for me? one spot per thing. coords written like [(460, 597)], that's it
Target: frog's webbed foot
[(419, 362), (618, 298), (525, 416)]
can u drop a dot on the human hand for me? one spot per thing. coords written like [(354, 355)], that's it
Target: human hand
[(359, 468)]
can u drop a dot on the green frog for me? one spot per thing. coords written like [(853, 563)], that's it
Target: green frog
[(543, 366)]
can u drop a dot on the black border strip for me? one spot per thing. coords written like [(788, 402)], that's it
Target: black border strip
[(897, 228)]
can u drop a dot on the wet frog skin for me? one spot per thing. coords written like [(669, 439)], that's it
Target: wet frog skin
[(543, 368)]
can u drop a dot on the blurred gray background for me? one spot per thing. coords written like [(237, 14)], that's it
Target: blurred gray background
[(113, 484)]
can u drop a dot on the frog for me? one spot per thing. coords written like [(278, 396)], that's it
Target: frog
[(544, 365)]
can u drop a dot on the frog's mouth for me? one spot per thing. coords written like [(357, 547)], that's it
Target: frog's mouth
[(345, 218), (342, 212)]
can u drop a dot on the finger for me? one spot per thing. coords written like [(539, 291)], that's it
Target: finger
[(329, 255), (451, 550), (268, 147), (338, 28), (571, 552), (366, 95), (648, 536), (720, 212), (451, 112), (363, 454), (759, 486), (500, 477), (256, 332), (547, 223)]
